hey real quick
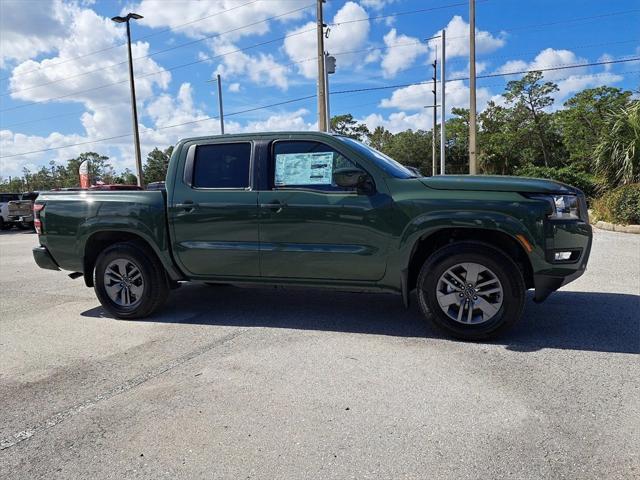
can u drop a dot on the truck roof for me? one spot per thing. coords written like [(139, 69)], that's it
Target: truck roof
[(285, 134)]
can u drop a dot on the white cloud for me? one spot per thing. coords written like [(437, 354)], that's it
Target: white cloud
[(262, 69), (457, 35), (349, 36), (376, 4), (399, 121), (415, 97), (210, 17), (25, 36), (284, 121), (569, 81), (403, 52), (234, 87)]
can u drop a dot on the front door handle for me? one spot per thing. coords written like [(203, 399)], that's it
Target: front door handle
[(276, 205)]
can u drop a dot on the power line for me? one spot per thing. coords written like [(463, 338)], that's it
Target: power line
[(264, 43), (156, 52), (337, 53), (157, 72), (253, 109), (307, 97), (192, 42), (177, 27), (491, 75)]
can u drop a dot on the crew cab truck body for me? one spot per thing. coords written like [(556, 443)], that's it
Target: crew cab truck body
[(319, 210)]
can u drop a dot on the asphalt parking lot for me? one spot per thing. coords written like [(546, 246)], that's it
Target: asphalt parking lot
[(268, 383)]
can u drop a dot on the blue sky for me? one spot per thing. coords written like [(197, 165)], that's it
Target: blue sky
[(64, 77)]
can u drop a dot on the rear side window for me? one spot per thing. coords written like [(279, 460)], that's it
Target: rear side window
[(306, 164), (8, 197), (222, 166)]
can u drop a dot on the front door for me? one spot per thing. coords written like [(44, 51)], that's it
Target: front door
[(309, 227), (214, 212)]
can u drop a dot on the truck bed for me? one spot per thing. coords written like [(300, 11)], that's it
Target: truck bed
[(72, 219)]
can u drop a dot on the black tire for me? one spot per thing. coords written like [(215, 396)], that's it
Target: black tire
[(154, 280), (25, 226), (4, 225), (497, 263)]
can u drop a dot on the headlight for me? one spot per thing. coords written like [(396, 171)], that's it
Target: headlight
[(566, 207), (562, 207)]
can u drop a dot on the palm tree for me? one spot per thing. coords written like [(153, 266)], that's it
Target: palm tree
[(618, 152)]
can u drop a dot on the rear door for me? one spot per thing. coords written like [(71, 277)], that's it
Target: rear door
[(213, 212)]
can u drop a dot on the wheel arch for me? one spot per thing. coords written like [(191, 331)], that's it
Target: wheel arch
[(431, 242), (100, 240)]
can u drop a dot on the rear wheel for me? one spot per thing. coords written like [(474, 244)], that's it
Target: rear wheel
[(129, 281), (471, 291), (4, 225)]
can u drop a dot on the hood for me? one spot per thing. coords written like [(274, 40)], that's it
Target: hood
[(497, 184)]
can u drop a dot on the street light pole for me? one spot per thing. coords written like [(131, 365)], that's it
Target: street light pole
[(473, 165), (218, 80), (134, 108), (443, 81)]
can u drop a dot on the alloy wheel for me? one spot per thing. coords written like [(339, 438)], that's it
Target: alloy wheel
[(469, 293)]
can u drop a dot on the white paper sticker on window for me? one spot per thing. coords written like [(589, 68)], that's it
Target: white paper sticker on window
[(304, 168)]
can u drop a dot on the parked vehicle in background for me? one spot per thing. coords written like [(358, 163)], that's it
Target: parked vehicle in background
[(5, 198), (156, 186), (21, 211), (319, 210), (115, 186)]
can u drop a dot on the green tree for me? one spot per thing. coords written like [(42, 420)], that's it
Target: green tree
[(457, 131), (411, 148), (618, 152), (498, 140), (583, 121), (347, 126), (155, 168), (529, 96), (380, 138)]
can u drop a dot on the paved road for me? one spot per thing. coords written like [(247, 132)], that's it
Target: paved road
[(263, 383)]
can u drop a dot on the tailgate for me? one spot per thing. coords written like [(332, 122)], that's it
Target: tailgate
[(20, 208)]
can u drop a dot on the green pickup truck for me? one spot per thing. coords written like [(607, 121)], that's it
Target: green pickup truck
[(319, 210)]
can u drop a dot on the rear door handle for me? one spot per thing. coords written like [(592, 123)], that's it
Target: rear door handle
[(187, 206), (276, 205)]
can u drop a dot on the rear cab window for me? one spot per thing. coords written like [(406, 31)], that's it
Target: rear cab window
[(306, 165), (223, 165)]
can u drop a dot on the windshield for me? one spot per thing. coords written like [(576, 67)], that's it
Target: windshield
[(388, 164)]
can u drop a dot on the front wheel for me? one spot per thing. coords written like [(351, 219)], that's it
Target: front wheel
[(471, 291), (129, 281)]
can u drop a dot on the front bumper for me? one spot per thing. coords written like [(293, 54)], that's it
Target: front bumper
[(563, 236), (44, 259)]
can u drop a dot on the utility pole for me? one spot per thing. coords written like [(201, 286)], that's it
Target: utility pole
[(443, 137), (218, 80), (434, 170), (134, 108), (473, 165), (322, 102)]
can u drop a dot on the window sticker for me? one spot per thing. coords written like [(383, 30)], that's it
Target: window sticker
[(314, 168)]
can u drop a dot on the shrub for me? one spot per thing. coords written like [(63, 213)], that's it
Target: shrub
[(621, 205), (584, 181)]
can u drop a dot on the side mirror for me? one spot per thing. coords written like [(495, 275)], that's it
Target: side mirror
[(350, 177)]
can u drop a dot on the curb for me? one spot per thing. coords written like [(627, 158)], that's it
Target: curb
[(613, 227)]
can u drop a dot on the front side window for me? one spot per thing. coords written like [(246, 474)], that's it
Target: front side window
[(385, 162), (306, 164), (222, 166)]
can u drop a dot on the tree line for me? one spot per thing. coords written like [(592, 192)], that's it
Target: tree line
[(593, 142), (66, 176)]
